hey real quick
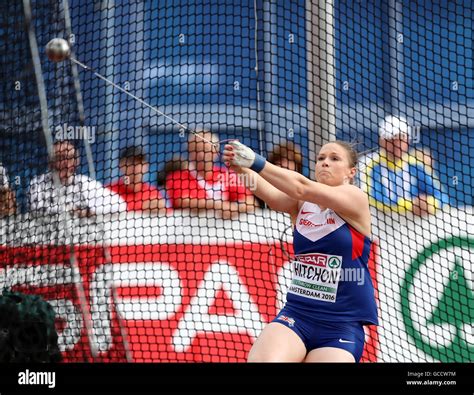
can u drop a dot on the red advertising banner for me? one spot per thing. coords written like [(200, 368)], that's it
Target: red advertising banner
[(176, 302)]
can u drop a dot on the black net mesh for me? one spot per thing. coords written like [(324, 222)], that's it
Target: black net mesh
[(144, 243)]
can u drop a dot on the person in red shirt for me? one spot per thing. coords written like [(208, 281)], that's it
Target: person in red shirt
[(205, 186), (139, 195)]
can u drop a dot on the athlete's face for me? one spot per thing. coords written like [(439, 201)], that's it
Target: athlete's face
[(332, 165)]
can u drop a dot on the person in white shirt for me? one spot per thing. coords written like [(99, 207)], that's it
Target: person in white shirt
[(78, 194)]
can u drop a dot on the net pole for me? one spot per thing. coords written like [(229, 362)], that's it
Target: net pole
[(77, 89), (92, 173), (107, 9), (267, 104), (270, 61), (321, 76), (260, 120), (397, 78), (49, 145)]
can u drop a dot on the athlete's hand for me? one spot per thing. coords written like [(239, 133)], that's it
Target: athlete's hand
[(239, 155), (228, 158)]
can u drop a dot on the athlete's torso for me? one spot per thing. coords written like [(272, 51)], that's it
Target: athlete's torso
[(331, 278)]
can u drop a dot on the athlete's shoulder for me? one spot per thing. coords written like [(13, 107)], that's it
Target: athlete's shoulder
[(353, 190)]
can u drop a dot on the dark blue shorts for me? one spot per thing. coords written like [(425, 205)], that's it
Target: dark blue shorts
[(349, 336)]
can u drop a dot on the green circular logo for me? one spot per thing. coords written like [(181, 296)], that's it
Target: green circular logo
[(334, 263), (455, 306)]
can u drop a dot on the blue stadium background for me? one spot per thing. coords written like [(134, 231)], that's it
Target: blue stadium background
[(196, 60)]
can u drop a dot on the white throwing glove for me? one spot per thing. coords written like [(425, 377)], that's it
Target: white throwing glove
[(245, 157)]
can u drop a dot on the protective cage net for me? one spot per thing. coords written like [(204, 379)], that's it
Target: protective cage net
[(149, 249)]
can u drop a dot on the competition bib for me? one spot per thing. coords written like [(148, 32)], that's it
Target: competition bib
[(316, 276)]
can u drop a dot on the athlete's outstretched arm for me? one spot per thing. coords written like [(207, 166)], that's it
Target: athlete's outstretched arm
[(275, 198), (346, 200)]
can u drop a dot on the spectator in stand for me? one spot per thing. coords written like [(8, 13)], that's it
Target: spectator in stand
[(424, 155), (287, 155), (138, 194), (7, 197), (77, 194), (205, 186), (397, 180), (174, 164)]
